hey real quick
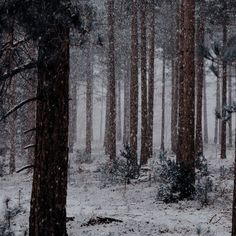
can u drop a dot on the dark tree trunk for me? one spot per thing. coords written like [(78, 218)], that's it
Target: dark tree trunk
[(224, 97), (151, 37), (119, 128), (126, 131), (229, 104), (49, 190), (163, 101), (144, 127), (111, 82), (186, 152), (134, 82), (234, 195)]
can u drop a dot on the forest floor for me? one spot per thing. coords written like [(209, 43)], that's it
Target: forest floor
[(135, 204)]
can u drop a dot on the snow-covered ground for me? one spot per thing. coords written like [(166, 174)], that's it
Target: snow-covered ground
[(134, 204)]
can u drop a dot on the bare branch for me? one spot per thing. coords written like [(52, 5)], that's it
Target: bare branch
[(24, 168), (17, 107)]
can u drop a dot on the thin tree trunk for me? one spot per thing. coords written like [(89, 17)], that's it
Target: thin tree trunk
[(200, 77), (134, 82), (234, 194), (119, 128), (89, 102), (151, 37), (229, 104), (224, 97), (144, 131), (126, 131), (217, 108), (205, 110), (49, 190), (163, 101), (111, 82)]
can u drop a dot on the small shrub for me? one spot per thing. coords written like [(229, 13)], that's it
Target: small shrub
[(83, 157), (122, 169)]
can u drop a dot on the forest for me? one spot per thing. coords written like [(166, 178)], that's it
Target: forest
[(117, 117)]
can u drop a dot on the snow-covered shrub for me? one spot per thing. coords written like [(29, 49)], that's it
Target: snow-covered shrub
[(10, 213), (83, 157), (175, 182), (176, 185), (120, 170), (200, 231)]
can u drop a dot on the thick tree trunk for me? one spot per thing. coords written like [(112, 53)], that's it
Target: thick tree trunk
[(111, 82), (151, 38), (134, 82), (163, 101), (186, 152), (144, 114), (49, 190)]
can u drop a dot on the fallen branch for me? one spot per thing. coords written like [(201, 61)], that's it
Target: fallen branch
[(100, 220), (24, 168)]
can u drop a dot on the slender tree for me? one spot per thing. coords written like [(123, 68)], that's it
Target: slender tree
[(200, 34), (111, 82), (134, 81), (151, 61), (144, 114)]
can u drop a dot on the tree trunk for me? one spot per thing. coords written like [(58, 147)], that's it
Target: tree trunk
[(49, 190), (111, 82), (234, 195), (144, 131), (224, 97), (134, 82), (163, 101), (119, 128), (89, 102), (126, 128), (229, 104), (217, 108), (200, 34), (186, 152), (151, 37)]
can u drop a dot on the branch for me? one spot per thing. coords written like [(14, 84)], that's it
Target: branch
[(29, 146), (24, 168), (29, 130), (19, 69), (17, 107)]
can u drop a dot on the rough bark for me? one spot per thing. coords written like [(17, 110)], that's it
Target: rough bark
[(134, 82), (229, 104), (111, 82), (186, 152), (49, 190), (151, 56), (163, 101), (144, 114), (224, 97)]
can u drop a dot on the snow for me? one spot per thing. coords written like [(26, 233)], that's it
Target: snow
[(134, 204)]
